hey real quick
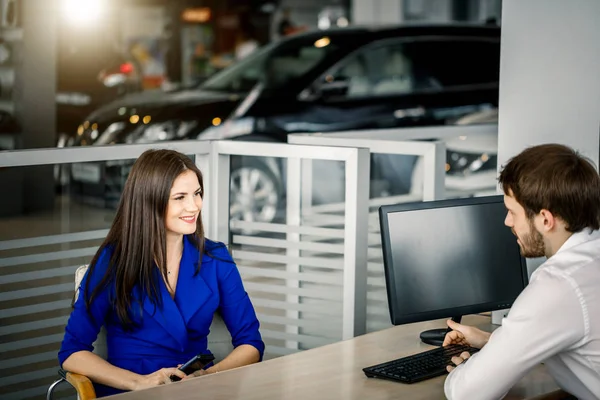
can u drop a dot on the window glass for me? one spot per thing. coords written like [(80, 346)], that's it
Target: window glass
[(458, 62), (275, 66), (379, 71), (396, 68)]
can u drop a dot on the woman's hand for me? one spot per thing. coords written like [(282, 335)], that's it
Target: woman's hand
[(199, 372), (160, 377)]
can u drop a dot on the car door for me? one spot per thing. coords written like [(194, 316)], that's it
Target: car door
[(402, 83), (464, 72)]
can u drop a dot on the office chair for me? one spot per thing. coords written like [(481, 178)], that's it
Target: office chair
[(219, 342)]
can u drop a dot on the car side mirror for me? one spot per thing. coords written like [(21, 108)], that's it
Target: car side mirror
[(327, 88)]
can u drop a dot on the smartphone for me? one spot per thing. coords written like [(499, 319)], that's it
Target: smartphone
[(194, 364)]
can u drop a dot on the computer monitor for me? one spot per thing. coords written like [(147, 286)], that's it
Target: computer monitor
[(449, 258)]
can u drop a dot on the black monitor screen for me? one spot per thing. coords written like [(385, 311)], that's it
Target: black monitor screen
[(449, 258)]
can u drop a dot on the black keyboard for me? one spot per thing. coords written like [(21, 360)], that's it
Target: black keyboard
[(418, 367)]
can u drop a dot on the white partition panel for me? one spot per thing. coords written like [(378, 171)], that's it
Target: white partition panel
[(304, 296)]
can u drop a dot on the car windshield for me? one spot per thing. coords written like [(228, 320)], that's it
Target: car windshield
[(274, 65)]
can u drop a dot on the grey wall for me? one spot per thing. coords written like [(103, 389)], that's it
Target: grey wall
[(35, 96), (549, 75)]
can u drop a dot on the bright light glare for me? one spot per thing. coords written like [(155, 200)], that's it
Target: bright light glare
[(323, 42), (82, 12)]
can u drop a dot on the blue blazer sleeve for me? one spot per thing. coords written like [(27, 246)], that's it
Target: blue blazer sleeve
[(235, 305), (83, 326)]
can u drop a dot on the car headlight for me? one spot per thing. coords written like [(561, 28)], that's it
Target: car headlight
[(459, 163), (161, 131)]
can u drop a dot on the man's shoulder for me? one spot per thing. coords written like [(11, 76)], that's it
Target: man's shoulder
[(557, 280)]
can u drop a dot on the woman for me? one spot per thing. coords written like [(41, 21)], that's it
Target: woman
[(155, 284)]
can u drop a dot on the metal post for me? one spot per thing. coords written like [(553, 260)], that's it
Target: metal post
[(293, 218), (35, 97), (356, 225), (219, 211), (434, 171), (203, 164), (307, 184)]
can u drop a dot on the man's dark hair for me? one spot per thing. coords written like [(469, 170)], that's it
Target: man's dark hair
[(556, 178)]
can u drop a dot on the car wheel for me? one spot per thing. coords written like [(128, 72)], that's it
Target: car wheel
[(254, 193)]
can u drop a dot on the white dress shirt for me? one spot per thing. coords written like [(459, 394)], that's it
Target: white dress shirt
[(555, 320)]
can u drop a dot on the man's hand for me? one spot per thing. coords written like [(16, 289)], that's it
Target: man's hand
[(464, 356), (466, 335)]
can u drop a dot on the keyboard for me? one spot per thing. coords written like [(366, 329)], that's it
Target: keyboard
[(418, 367)]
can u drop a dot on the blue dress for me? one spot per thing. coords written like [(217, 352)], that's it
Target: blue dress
[(164, 338)]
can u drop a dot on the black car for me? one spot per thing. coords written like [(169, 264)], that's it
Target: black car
[(321, 81)]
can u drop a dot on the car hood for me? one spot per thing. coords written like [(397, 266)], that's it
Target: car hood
[(153, 100)]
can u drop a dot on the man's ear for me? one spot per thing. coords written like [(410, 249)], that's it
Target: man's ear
[(548, 220)]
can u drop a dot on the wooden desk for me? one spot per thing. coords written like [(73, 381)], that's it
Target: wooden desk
[(333, 372)]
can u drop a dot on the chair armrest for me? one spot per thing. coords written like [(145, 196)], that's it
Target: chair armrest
[(81, 383)]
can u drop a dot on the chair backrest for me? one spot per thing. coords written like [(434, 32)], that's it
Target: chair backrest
[(219, 339)]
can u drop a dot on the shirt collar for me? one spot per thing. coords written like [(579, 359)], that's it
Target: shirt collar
[(578, 238)]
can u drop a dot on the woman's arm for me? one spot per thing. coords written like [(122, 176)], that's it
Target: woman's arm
[(238, 314), (82, 330), (244, 354), (101, 371)]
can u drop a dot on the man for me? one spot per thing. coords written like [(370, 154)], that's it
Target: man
[(552, 195)]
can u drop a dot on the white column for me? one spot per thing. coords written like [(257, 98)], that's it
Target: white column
[(35, 96), (549, 80)]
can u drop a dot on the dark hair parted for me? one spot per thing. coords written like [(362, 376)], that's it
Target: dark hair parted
[(556, 178), (137, 236)]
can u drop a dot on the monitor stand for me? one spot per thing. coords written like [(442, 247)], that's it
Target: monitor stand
[(435, 337)]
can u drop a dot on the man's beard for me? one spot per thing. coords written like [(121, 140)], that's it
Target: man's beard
[(532, 244)]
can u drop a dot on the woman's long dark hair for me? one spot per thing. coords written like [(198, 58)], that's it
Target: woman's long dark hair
[(137, 237)]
